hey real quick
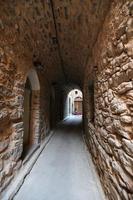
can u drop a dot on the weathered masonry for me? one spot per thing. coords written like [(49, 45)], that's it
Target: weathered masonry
[(48, 48)]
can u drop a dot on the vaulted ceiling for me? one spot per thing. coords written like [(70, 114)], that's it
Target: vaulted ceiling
[(56, 35)]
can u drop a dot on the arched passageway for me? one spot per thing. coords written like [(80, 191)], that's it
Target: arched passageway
[(75, 98), (73, 102), (31, 136)]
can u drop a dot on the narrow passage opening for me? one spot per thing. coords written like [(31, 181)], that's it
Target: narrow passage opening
[(31, 136), (26, 119), (74, 103)]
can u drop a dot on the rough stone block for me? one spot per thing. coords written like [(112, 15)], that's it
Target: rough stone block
[(18, 127), (8, 169), (118, 128), (126, 119), (118, 106), (128, 146), (16, 114), (124, 87), (124, 180), (17, 152), (113, 141), (1, 165), (4, 145)]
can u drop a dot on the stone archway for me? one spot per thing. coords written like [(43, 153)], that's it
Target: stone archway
[(73, 100), (31, 112)]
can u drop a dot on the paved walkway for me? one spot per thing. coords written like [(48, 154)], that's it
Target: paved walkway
[(64, 170)]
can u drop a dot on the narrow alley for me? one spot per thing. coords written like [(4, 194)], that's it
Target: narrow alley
[(64, 170), (60, 60)]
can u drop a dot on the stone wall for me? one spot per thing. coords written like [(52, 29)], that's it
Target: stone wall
[(12, 86), (110, 137), (29, 39), (26, 31), (10, 115)]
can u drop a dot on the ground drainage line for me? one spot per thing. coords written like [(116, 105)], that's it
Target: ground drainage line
[(10, 194)]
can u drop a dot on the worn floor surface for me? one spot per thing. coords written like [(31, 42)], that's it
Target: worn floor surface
[(64, 170)]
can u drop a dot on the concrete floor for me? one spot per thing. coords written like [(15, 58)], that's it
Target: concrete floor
[(64, 170)]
